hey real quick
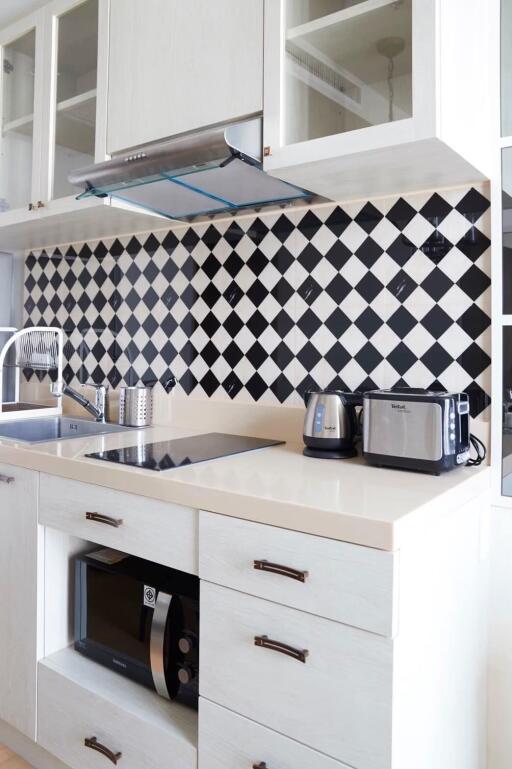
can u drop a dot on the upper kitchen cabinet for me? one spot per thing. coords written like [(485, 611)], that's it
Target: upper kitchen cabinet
[(53, 99), (21, 83), (373, 97), (178, 66)]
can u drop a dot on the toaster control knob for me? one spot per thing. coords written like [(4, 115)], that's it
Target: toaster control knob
[(186, 674), (187, 643)]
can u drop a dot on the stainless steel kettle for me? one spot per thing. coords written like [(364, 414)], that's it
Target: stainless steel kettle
[(330, 424)]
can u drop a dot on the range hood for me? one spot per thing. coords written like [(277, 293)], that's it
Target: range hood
[(204, 172)]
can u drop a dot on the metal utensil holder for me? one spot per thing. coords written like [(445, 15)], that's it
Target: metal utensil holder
[(136, 406)]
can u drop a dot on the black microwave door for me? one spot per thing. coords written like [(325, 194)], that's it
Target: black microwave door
[(114, 626)]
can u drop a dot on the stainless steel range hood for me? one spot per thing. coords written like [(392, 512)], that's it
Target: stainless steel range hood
[(204, 172)]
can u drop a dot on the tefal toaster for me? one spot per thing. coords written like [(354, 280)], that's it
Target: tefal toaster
[(416, 429)]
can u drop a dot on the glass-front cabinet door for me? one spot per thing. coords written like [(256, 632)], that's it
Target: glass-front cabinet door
[(73, 98), (353, 74), (348, 65), (20, 78)]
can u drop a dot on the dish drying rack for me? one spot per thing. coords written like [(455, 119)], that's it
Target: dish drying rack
[(40, 348)]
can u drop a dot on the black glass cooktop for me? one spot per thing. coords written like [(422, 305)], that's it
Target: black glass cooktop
[(183, 451)]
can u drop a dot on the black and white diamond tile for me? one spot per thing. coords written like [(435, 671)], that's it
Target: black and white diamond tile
[(264, 307)]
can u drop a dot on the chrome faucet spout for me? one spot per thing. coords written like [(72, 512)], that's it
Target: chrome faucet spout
[(98, 410)]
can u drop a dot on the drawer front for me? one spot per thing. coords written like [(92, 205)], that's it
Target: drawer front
[(159, 531), (333, 694), (69, 714), (229, 741), (344, 582)]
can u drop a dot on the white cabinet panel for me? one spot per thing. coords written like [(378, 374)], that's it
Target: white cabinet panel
[(228, 741), (341, 581), (158, 531), (19, 597), (334, 693), (177, 66)]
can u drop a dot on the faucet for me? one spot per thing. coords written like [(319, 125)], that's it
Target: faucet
[(99, 409)]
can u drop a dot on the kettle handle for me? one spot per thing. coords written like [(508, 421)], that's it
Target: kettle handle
[(307, 396), (352, 399)]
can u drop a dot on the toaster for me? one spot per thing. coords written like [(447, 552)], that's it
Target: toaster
[(416, 429)]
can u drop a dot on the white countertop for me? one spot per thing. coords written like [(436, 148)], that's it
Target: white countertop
[(345, 500)]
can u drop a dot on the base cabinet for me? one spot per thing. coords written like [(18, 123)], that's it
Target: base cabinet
[(281, 687), (20, 603)]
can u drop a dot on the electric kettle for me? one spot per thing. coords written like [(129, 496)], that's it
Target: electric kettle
[(330, 424)]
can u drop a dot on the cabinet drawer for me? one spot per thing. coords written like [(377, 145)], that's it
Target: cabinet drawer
[(124, 717), (344, 582), (338, 699), (159, 531), (229, 741)]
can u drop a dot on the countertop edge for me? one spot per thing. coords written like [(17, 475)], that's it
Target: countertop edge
[(365, 531)]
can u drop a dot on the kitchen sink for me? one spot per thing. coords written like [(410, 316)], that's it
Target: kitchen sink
[(35, 430)]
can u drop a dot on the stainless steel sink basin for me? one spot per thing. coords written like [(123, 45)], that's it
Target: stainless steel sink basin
[(55, 429)]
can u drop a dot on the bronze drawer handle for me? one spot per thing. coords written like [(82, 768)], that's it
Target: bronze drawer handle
[(6, 479), (261, 765), (267, 643), (285, 571), (100, 518), (92, 742)]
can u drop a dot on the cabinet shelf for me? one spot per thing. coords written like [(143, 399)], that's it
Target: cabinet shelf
[(349, 38), (21, 125), (81, 107), (331, 20), (76, 122)]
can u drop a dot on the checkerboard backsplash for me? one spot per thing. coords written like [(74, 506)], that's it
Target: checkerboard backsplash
[(268, 305)]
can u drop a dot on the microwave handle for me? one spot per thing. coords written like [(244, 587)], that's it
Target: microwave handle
[(157, 642)]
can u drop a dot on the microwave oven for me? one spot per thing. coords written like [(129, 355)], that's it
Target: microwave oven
[(140, 619)]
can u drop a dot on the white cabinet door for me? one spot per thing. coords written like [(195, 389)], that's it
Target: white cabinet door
[(19, 597), (363, 98), (176, 66), (75, 88)]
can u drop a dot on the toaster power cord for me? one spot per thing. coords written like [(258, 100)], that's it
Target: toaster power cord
[(480, 450)]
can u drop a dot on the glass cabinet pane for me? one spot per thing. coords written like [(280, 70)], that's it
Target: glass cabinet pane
[(348, 65), (75, 118), (507, 229), (17, 122), (506, 67), (507, 412)]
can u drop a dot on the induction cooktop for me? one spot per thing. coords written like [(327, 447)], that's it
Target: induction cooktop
[(180, 452)]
